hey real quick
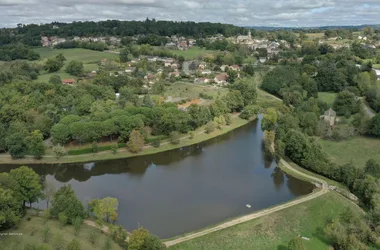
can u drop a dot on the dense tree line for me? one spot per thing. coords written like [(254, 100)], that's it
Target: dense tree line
[(17, 51), (98, 46), (30, 34)]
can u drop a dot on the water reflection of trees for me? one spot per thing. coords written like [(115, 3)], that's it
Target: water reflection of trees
[(278, 178)]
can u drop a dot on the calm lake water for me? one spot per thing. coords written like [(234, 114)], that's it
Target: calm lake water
[(179, 191)]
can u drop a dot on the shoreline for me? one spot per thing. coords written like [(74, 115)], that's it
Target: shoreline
[(200, 136)]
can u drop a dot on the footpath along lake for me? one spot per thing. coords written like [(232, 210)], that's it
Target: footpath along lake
[(186, 189)]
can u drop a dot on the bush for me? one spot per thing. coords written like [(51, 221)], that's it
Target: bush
[(249, 111), (174, 137), (59, 151), (95, 147), (228, 118), (62, 217), (74, 245), (191, 135), (156, 142), (136, 141), (114, 149), (210, 127)]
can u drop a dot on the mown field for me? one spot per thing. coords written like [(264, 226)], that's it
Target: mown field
[(90, 59), (192, 53), (327, 97), (276, 230), (357, 150), (33, 233)]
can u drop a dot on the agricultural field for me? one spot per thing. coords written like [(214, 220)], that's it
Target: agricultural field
[(327, 97), (274, 231), (357, 150), (192, 53), (34, 233)]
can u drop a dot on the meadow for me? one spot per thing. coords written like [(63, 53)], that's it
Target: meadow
[(192, 53), (357, 150), (274, 231)]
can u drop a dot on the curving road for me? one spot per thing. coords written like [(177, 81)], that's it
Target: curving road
[(324, 189)]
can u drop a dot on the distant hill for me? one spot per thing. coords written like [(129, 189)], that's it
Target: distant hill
[(358, 27)]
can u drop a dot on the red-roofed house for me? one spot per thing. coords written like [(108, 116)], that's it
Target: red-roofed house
[(221, 78), (68, 81), (235, 67)]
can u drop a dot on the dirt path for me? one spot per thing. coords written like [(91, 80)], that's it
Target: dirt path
[(255, 215)]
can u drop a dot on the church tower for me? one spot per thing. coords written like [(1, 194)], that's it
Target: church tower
[(249, 34)]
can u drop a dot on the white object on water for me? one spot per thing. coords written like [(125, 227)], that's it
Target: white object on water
[(305, 238), (248, 206)]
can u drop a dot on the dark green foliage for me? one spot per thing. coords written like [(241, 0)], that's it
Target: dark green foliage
[(200, 115), (247, 88), (175, 137), (10, 201), (329, 78), (65, 201), (373, 168), (346, 104), (75, 68), (296, 244), (234, 101), (249, 112), (280, 77), (124, 55), (374, 125)]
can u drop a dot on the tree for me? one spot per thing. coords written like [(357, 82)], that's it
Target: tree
[(136, 141), (175, 137), (105, 209), (10, 207), (55, 79), (124, 55), (296, 244), (60, 133), (374, 126), (35, 144), (141, 239), (74, 245), (200, 115), (59, 151), (66, 202), (269, 120), (247, 88), (249, 69), (61, 58), (75, 68), (372, 168), (16, 145), (210, 127), (53, 65), (249, 111), (346, 104), (234, 101), (29, 182)]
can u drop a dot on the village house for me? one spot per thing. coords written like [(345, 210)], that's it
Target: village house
[(244, 39), (329, 117), (206, 72), (235, 67), (167, 64), (183, 45), (103, 61), (92, 73), (68, 81), (175, 66), (171, 45), (175, 74), (130, 69), (202, 65), (221, 78), (151, 58), (224, 67)]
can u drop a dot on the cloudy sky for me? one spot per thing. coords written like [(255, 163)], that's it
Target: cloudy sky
[(295, 13)]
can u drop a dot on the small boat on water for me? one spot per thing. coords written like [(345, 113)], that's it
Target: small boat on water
[(248, 206)]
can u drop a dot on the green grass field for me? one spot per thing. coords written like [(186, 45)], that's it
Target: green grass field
[(190, 90), (33, 233), (358, 150), (327, 97), (312, 36), (276, 230), (90, 59), (84, 55), (192, 53)]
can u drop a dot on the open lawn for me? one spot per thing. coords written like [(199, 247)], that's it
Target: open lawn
[(192, 91), (90, 59), (33, 234), (358, 150), (276, 230), (327, 97), (266, 100), (192, 53)]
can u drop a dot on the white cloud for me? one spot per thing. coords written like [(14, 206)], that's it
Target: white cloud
[(239, 12)]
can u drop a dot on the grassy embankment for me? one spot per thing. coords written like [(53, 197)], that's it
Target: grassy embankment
[(33, 233), (90, 59), (274, 231)]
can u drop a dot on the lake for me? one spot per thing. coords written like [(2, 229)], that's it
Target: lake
[(186, 189)]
